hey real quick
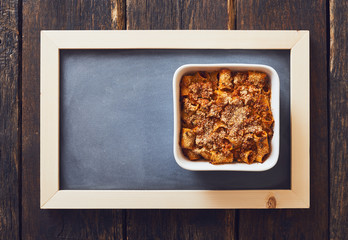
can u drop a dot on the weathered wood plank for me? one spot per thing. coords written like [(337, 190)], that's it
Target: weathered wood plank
[(296, 224), (207, 14), (338, 93), (66, 224), (118, 14), (147, 15), (179, 224), (231, 6), (9, 121), (179, 14)]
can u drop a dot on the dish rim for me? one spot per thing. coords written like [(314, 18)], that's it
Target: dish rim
[(187, 164)]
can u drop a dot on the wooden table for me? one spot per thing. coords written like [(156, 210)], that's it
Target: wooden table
[(20, 25)]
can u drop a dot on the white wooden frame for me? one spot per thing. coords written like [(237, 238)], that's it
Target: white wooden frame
[(51, 197)]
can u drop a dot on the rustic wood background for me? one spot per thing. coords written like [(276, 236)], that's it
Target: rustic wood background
[(20, 25)]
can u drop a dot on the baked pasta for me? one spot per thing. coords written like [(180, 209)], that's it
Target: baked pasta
[(226, 116)]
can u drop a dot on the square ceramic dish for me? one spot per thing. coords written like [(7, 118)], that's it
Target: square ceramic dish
[(187, 164)]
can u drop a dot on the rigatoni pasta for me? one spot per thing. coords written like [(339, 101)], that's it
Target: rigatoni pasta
[(226, 116)]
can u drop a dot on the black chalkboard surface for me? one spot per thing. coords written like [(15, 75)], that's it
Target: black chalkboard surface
[(116, 121)]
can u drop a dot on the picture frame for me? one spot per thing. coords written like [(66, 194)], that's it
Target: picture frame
[(298, 196)]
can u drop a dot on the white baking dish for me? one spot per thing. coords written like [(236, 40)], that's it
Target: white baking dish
[(187, 164)]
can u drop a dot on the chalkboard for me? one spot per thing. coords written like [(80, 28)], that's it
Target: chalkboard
[(116, 120)]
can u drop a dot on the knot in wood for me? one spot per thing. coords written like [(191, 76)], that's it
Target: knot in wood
[(272, 202)]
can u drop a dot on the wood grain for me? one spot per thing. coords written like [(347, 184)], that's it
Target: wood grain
[(118, 14), (207, 14), (56, 224), (9, 121), (231, 6), (105, 224), (179, 224), (296, 224), (178, 14), (338, 93), (148, 15)]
